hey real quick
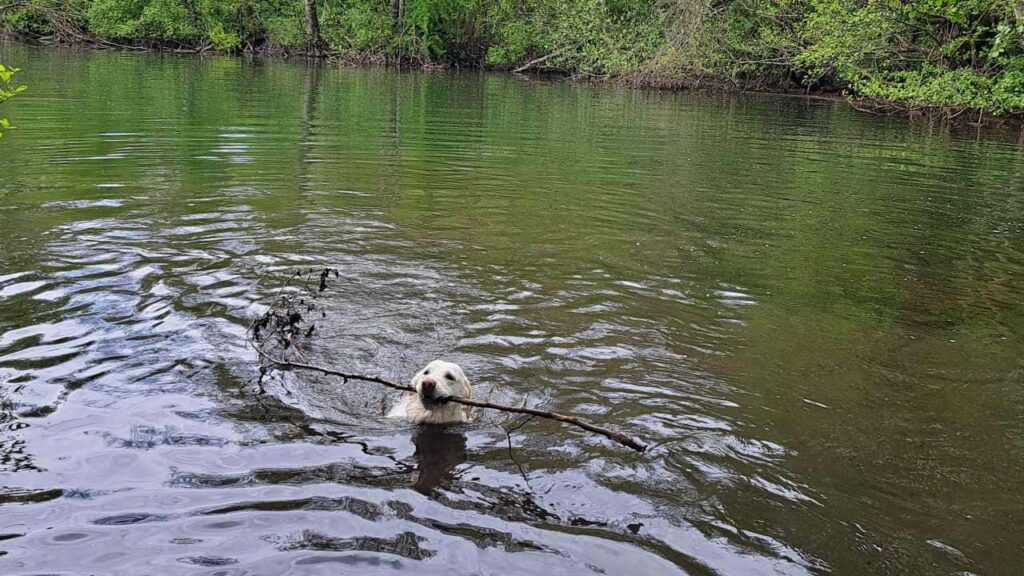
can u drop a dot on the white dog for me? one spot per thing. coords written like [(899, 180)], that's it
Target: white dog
[(429, 404)]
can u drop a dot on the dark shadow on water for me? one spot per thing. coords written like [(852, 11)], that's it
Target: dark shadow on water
[(439, 450)]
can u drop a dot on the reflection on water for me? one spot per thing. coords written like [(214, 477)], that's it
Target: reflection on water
[(813, 316), (439, 449)]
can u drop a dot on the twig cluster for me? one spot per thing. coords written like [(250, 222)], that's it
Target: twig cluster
[(289, 316)]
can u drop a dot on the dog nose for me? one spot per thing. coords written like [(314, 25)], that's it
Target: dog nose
[(428, 385)]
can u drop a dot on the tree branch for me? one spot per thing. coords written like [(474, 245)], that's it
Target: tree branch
[(345, 376), (543, 59), (282, 320)]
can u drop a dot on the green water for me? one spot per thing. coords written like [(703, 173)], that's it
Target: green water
[(813, 315)]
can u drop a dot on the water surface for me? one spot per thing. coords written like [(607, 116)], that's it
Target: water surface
[(814, 317)]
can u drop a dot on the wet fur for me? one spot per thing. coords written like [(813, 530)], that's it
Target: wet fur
[(418, 409)]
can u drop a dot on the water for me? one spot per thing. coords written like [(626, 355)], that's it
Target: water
[(814, 316)]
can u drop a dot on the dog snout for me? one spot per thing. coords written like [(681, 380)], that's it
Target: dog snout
[(428, 386)]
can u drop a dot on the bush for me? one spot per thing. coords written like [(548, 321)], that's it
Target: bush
[(964, 53), (588, 36), (166, 20)]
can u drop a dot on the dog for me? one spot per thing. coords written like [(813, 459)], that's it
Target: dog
[(437, 382)]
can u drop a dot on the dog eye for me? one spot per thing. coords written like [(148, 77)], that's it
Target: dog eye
[(449, 376)]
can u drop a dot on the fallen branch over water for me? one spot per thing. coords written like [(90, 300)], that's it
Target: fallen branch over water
[(283, 320)]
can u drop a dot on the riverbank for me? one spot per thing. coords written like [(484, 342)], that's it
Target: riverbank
[(916, 58), (957, 116), (952, 115)]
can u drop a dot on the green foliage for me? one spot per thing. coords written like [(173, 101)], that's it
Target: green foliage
[(223, 24), (8, 89), (960, 88), (961, 53), (24, 21), (589, 36), (837, 38), (964, 54), (958, 53), (356, 25), (222, 39), (282, 22), (435, 28)]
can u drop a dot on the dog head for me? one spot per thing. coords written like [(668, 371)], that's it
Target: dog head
[(440, 380)]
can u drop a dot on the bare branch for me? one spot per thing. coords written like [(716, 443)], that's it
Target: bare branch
[(572, 420), (543, 59)]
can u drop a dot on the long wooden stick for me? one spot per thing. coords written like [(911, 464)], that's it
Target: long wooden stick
[(610, 434), (543, 59), (536, 61)]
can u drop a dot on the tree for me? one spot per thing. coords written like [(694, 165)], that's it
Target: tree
[(314, 43), (7, 91)]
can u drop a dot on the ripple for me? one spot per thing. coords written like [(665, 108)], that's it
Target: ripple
[(18, 288), (128, 519), (784, 299), (406, 544), (208, 561)]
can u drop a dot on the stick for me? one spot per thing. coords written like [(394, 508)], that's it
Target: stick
[(536, 61), (610, 434)]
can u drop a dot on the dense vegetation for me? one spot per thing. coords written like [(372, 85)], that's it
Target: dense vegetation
[(963, 54)]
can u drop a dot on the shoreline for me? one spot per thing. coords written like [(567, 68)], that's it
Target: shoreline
[(948, 115), (647, 80)]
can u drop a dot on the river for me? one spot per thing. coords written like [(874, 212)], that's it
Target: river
[(814, 316)]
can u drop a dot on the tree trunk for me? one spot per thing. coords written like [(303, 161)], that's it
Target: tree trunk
[(314, 43), (396, 12)]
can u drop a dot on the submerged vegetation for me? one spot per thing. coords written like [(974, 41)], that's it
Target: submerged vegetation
[(954, 54)]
